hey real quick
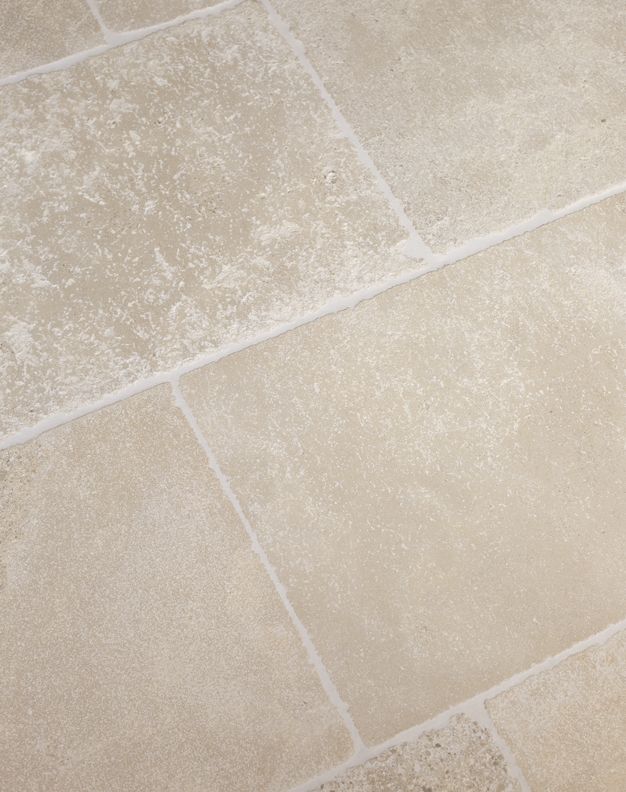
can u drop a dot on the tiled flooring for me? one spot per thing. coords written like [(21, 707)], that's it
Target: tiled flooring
[(312, 401)]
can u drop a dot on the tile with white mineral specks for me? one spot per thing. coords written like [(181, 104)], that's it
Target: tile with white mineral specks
[(179, 193), (478, 113), (567, 726), (143, 645), (34, 33), (435, 474)]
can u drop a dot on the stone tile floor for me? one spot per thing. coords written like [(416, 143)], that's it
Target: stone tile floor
[(312, 404)]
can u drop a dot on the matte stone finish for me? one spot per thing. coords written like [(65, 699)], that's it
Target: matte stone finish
[(460, 757), (34, 32), (478, 113), (143, 646), (567, 726), (121, 15), (435, 473), (171, 196)]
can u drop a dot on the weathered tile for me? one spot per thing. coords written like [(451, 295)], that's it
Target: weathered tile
[(143, 646), (478, 113), (567, 726), (129, 14), (460, 756), (434, 474), (35, 32), (173, 195)]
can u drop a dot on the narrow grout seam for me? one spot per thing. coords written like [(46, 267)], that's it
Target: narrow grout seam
[(415, 247), (312, 653), (115, 39), (475, 708), (332, 306), (92, 5)]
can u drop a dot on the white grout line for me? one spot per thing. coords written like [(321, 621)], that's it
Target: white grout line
[(314, 658), (542, 218), (474, 708), (415, 247), (92, 5), (114, 39), (332, 306), (478, 712)]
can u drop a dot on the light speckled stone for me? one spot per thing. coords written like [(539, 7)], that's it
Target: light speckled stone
[(143, 646), (567, 726), (34, 32), (435, 473), (129, 14), (178, 193), (458, 758), (478, 113)]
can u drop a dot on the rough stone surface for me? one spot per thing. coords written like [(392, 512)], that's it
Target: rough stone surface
[(35, 32), (176, 194), (479, 114), (458, 758), (435, 474), (129, 14), (143, 646), (567, 726)]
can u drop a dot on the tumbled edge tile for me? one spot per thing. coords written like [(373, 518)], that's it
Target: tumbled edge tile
[(460, 756), (123, 15), (36, 33), (144, 646), (567, 726)]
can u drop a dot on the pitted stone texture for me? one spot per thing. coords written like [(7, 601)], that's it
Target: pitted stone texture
[(35, 32), (174, 195), (567, 726), (435, 474), (143, 646), (121, 15), (459, 757), (478, 114)]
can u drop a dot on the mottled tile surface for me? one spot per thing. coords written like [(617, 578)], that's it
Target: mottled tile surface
[(143, 646), (434, 474), (479, 113), (129, 14), (35, 32), (175, 194), (567, 726), (457, 758)]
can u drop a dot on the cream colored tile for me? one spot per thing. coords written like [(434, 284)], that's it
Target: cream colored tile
[(435, 473), (478, 113), (173, 195), (35, 32), (143, 646), (567, 726), (459, 757), (129, 14)]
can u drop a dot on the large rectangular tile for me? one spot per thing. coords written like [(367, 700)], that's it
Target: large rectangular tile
[(129, 14), (461, 757), (143, 646), (35, 32), (567, 726), (435, 474), (478, 113), (181, 192)]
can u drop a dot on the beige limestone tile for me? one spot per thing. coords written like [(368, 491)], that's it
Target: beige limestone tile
[(567, 726), (176, 194), (460, 756), (435, 473), (477, 113), (143, 646), (129, 14), (35, 32)]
